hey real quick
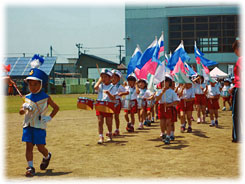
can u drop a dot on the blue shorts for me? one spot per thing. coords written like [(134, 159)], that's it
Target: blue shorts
[(34, 135)]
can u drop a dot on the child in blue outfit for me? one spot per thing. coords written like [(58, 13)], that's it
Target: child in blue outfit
[(34, 108)]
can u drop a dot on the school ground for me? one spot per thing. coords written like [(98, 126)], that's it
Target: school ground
[(72, 136)]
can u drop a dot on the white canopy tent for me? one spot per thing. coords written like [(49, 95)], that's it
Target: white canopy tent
[(217, 73)]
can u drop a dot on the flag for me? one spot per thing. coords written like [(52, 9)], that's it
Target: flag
[(178, 53), (161, 45), (151, 65), (160, 73), (133, 61), (180, 73), (147, 55), (200, 56), (189, 70)]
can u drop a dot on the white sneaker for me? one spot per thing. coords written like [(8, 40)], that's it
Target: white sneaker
[(198, 120), (223, 109)]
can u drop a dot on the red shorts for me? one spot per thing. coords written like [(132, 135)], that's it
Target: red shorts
[(184, 106), (118, 107), (226, 98), (133, 107), (201, 99), (174, 114), (164, 113), (104, 114), (213, 104), (148, 108)]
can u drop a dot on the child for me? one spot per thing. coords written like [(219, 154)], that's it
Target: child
[(174, 116), (120, 91), (143, 94), (213, 94), (225, 94), (200, 98), (166, 98), (104, 88), (130, 104), (185, 107), (35, 122)]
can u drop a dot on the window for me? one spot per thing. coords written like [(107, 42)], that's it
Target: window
[(212, 33)]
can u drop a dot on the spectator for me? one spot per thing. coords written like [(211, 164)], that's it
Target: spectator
[(93, 84), (235, 91), (64, 87), (87, 85)]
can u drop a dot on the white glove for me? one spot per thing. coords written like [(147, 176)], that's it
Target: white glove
[(46, 119), (27, 106)]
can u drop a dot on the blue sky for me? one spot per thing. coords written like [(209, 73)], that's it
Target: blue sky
[(32, 29)]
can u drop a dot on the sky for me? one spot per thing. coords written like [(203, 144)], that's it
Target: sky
[(34, 28)]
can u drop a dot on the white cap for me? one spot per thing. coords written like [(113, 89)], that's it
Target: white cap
[(106, 71), (143, 80), (169, 76), (117, 72)]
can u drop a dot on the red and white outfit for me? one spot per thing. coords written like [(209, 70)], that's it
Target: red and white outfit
[(184, 105), (200, 97), (168, 97), (116, 89), (225, 93), (130, 101), (102, 96), (213, 103)]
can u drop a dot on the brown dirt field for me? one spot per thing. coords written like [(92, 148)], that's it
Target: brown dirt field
[(207, 153)]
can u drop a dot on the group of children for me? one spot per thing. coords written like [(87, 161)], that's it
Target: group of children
[(169, 101)]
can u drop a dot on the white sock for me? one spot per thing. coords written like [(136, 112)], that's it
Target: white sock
[(212, 121), (46, 158), (101, 135), (30, 163), (152, 118)]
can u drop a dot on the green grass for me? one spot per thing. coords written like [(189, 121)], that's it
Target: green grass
[(65, 102)]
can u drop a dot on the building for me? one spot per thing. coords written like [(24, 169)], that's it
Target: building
[(86, 65), (214, 28)]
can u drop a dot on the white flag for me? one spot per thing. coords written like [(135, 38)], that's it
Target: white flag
[(159, 74)]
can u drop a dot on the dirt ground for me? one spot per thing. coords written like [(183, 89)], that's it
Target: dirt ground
[(72, 136)]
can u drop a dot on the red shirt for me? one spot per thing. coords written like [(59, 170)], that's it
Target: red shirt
[(237, 72)]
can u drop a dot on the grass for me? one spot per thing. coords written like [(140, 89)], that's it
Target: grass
[(65, 102), (207, 153)]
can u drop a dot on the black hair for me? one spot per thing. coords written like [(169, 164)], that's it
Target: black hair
[(167, 79), (131, 78)]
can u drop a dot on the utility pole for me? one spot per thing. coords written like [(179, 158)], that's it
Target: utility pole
[(79, 46), (120, 53), (51, 51), (85, 51)]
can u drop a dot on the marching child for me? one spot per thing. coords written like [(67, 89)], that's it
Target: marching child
[(143, 95), (166, 98), (120, 91), (34, 109), (213, 94), (174, 115), (185, 107), (200, 98), (225, 94), (104, 88), (130, 104)]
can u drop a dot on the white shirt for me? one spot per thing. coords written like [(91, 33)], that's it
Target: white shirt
[(132, 93), (213, 91), (225, 91), (198, 89), (168, 97), (117, 88), (188, 93), (101, 92)]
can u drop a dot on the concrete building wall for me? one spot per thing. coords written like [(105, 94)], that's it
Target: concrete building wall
[(143, 23)]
